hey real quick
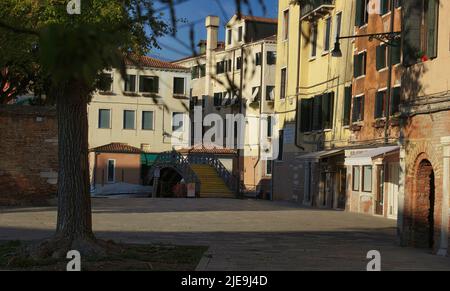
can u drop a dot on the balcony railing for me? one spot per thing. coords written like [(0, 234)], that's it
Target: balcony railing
[(316, 8)]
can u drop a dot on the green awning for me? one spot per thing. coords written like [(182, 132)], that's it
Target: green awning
[(148, 159)]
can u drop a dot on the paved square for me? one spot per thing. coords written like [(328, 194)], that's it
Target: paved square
[(243, 235)]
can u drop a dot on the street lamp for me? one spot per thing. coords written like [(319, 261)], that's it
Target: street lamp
[(388, 38)]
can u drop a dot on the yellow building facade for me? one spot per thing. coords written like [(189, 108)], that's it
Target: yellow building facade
[(313, 102)]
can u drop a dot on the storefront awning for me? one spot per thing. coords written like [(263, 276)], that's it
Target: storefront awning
[(366, 158), (321, 155)]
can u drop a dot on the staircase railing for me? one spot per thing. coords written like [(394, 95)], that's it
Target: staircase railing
[(176, 160), (211, 160)]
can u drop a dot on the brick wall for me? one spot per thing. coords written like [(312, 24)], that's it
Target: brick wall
[(29, 154), (424, 156)]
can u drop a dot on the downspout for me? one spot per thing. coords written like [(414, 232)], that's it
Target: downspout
[(260, 113), (389, 85), (297, 89)]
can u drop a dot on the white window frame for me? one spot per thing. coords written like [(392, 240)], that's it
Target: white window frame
[(107, 171)]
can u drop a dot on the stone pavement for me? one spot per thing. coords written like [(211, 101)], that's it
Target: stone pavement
[(244, 235)]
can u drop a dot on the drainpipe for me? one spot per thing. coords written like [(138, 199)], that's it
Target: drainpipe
[(389, 85), (297, 89), (260, 113)]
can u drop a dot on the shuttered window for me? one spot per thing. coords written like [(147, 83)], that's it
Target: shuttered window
[(396, 53), (358, 109), (317, 113), (178, 86), (362, 14), (327, 110), (420, 30), (306, 115), (218, 98), (326, 41), (381, 57), (395, 100), (380, 100), (347, 105), (283, 84), (148, 84), (130, 83), (258, 59), (360, 64)]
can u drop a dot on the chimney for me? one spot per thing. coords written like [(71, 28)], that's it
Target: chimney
[(212, 31), (212, 34)]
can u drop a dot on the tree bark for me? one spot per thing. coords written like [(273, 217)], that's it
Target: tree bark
[(74, 202)]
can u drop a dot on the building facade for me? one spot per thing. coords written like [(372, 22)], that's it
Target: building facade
[(234, 77), (373, 161), (425, 153), (313, 86), (141, 110)]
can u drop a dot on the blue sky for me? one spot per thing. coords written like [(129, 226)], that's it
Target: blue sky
[(194, 12)]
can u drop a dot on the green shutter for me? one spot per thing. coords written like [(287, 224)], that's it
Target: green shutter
[(381, 57), (347, 105), (432, 17), (396, 54), (395, 100), (411, 31), (359, 12), (327, 110), (356, 66), (379, 100)]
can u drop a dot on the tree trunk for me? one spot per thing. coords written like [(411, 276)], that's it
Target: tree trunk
[(74, 201)]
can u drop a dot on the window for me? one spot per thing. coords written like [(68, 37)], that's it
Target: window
[(229, 66), (420, 30), (128, 119), (258, 60), (202, 69), (367, 178), (283, 83), (281, 145), (317, 113), (130, 83), (268, 168), (314, 41), (385, 6), (270, 93), (147, 120), (220, 67), (177, 121), (229, 36), (396, 51), (111, 171), (148, 84), (362, 15), (238, 63), (256, 93), (286, 25), (306, 106), (360, 64), (337, 27), (178, 86), (271, 58), (106, 82), (358, 109), (218, 99), (240, 34), (356, 178), (347, 105), (382, 53), (395, 100), (195, 72), (104, 118), (380, 101), (326, 41), (269, 126)]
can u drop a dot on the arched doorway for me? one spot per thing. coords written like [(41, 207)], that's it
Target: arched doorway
[(170, 184), (424, 206)]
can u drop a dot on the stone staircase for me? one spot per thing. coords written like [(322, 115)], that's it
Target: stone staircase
[(212, 185)]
